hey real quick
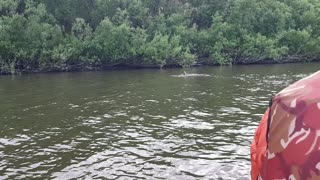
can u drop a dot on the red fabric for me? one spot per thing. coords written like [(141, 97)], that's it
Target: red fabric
[(292, 150), (259, 146)]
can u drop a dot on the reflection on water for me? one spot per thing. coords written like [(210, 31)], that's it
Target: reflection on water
[(142, 124)]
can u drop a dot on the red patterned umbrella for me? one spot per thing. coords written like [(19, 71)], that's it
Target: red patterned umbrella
[(287, 142)]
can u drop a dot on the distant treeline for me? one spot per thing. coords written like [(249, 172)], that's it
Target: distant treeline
[(64, 34)]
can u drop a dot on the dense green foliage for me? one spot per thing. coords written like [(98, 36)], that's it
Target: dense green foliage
[(68, 34)]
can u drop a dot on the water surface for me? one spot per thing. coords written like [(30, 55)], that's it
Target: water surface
[(136, 124)]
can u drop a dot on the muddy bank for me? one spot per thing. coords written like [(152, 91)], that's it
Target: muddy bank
[(126, 66)]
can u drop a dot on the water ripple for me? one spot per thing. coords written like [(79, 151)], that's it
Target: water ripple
[(135, 125)]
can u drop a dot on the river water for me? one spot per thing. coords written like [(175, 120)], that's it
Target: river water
[(136, 124)]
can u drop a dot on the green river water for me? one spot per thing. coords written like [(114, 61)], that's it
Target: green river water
[(136, 124)]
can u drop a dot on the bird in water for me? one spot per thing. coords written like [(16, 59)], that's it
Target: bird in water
[(184, 73)]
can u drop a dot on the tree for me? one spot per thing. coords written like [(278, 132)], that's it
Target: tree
[(61, 35)]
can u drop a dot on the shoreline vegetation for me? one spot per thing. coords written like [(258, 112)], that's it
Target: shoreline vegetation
[(82, 35), (106, 67)]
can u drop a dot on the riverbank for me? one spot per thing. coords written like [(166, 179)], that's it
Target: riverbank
[(127, 66)]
